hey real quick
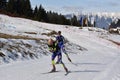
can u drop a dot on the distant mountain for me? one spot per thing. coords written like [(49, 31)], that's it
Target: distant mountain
[(102, 20), (115, 24)]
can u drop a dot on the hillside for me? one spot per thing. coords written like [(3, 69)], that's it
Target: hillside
[(24, 53)]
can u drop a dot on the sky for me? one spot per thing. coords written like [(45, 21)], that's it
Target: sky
[(78, 6)]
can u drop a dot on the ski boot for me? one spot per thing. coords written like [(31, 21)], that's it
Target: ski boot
[(53, 70)]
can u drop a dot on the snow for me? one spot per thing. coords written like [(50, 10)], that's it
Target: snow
[(95, 56)]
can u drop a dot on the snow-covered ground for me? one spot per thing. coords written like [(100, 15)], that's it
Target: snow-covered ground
[(25, 55)]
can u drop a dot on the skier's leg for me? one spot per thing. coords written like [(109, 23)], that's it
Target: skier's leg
[(64, 67), (58, 57), (60, 60), (57, 60), (53, 62), (64, 51)]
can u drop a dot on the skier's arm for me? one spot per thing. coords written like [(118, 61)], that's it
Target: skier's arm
[(52, 48)]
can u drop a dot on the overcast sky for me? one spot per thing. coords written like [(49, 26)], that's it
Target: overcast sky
[(75, 6)]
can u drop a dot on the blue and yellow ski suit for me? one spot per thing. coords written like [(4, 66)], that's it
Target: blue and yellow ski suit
[(56, 51)]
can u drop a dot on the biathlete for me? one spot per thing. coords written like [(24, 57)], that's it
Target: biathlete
[(61, 41), (56, 51)]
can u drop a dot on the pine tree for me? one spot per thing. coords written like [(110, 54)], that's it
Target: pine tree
[(55, 18), (10, 6), (35, 13), (64, 20), (23, 8), (45, 16), (74, 21), (39, 13), (3, 4), (20, 7), (42, 15), (49, 14), (27, 9)]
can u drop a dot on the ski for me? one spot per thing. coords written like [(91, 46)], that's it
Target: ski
[(50, 72), (56, 72), (67, 73)]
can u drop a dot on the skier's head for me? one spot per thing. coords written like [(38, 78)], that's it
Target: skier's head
[(59, 32), (50, 41)]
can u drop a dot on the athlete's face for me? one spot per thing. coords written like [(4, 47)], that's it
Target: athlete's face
[(59, 33)]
